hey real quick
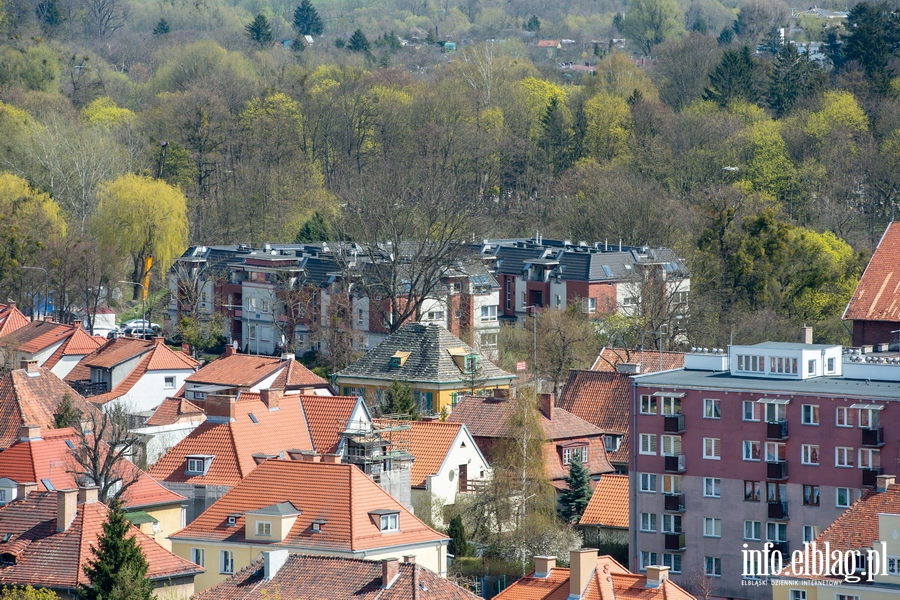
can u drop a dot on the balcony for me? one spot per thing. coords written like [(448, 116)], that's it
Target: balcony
[(674, 502), (873, 437), (781, 547), (776, 469), (777, 430), (674, 464), (673, 424), (779, 510), (870, 477), (675, 541)]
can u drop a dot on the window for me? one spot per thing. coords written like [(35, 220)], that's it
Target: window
[(671, 484), (811, 495), (843, 417), (195, 465), (750, 412), (752, 530), (809, 414), (568, 453), (751, 491), (647, 559), (842, 497), (589, 305), (671, 445), (251, 303), (488, 340), (489, 313), (226, 561), (390, 522), (776, 532), (798, 594), (845, 597), (752, 364), (508, 294), (471, 363), (829, 365), (671, 406), (648, 522), (629, 301), (893, 565), (648, 405), (775, 413), (843, 457), (869, 458), (751, 450), (648, 483), (613, 442), (265, 306), (263, 528), (809, 454), (776, 492), (811, 367), (810, 532), (251, 331), (198, 556), (713, 566), (435, 315), (648, 443), (776, 452), (712, 487), (712, 448), (712, 408), (673, 561), (712, 527), (169, 383), (780, 364), (671, 523), (868, 418), (359, 316)]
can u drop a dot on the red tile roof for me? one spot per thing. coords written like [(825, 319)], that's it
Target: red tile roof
[(32, 399), (340, 494), (80, 343), (11, 318), (304, 576), (857, 527), (609, 505), (37, 336), (297, 376), (49, 559), (609, 359), (175, 410), (429, 442), (327, 417), (602, 398), (246, 370), (877, 296), (234, 442)]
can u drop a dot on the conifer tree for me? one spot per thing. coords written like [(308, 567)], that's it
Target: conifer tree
[(316, 229), (162, 27), (307, 20), (260, 31), (734, 78), (793, 76), (574, 499), (458, 545), (399, 400), (118, 570), (358, 42)]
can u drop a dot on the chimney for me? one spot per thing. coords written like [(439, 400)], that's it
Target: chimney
[(65, 508), (220, 409), (76, 323), (88, 494), (409, 559), (331, 458), (287, 356), (30, 365), (883, 482), (629, 368), (23, 489), (545, 405), (390, 568), (543, 565), (159, 340), (48, 318), (581, 565), (415, 581), (501, 393), (229, 350), (259, 458), (806, 335), (273, 560), (29, 433), (271, 397), (656, 575)]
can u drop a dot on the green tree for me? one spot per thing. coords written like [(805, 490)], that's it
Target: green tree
[(557, 136), (316, 229), (398, 400), (458, 545), (734, 78), (574, 499), (162, 27), (793, 77), (359, 42), (118, 568), (651, 22), (533, 24), (66, 414), (874, 35), (259, 31), (307, 20), (27, 593)]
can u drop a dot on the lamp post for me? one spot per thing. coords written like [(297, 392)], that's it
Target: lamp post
[(144, 318), (46, 285)]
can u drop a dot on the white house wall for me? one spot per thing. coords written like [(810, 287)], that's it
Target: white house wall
[(150, 390), (44, 354), (445, 483), (66, 364)]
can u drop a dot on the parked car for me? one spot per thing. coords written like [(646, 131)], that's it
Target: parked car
[(144, 333), (141, 323)]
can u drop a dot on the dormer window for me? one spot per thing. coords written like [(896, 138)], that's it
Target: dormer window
[(232, 520), (399, 359), (471, 364), (263, 528), (390, 522), (613, 442), (317, 525), (570, 452), (198, 464)]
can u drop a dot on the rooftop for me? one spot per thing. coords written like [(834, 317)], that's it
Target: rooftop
[(602, 398), (246, 370), (175, 410), (609, 358), (609, 504), (878, 291)]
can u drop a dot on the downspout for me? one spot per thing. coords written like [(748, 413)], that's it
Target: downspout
[(633, 483)]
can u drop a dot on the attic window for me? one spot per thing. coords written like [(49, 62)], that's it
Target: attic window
[(232, 519), (7, 559), (399, 358), (317, 525), (70, 444), (7, 537), (471, 363), (607, 270), (253, 417), (198, 464), (390, 522), (48, 485)]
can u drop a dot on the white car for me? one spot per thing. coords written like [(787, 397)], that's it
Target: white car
[(142, 323)]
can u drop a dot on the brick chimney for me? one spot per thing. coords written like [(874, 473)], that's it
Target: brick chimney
[(159, 340), (543, 565), (219, 408), (545, 405), (65, 508), (23, 489), (331, 458), (581, 566), (30, 365), (409, 559), (390, 568), (271, 397), (882, 482), (77, 323), (48, 318), (29, 433), (273, 560), (806, 335), (287, 356), (88, 494), (629, 368), (656, 575), (229, 350)]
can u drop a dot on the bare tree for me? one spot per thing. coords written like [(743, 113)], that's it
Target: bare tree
[(701, 585), (106, 16), (101, 457), (565, 340), (334, 329)]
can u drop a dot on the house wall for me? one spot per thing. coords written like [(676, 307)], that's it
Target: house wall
[(40, 356), (874, 332), (65, 365), (445, 483), (441, 396), (150, 390), (171, 519), (159, 440)]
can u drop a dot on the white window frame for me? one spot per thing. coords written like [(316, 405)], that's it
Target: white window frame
[(712, 448), (649, 405), (648, 559), (169, 382), (892, 565), (647, 482), (712, 527), (673, 561), (648, 444), (780, 530), (844, 456), (671, 484), (809, 454), (648, 522), (712, 566), (198, 556), (797, 594), (754, 411), (748, 447), (754, 528), (809, 414), (843, 416), (712, 487), (870, 454), (837, 497), (264, 528), (589, 305), (669, 526), (226, 562), (712, 408), (810, 532), (390, 522)]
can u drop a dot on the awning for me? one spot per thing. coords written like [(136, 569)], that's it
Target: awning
[(868, 406), (774, 401), (139, 517), (669, 394)]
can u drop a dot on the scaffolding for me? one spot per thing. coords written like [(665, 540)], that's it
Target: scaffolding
[(380, 448)]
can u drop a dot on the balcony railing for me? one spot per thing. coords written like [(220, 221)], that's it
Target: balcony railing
[(777, 430), (674, 502), (675, 541), (779, 510), (870, 477), (88, 388), (674, 464), (673, 424), (873, 437), (776, 469), (781, 547)]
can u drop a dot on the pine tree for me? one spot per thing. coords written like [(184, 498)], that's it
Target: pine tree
[(399, 400), (358, 42), (307, 20), (793, 76), (575, 498), (458, 545), (259, 31), (726, 37), (162, 27), (66, 413), (118, 570), (316, 229), (533, 24), (734, 78)]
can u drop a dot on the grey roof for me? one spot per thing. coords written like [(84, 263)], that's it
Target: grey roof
[(821, 386), (790, 346), (282, 509), (428, 361)]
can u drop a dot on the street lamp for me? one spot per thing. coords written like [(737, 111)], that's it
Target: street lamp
[(46, 286), (144, 318)]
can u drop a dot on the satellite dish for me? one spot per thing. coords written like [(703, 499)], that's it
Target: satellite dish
[(234, 344)]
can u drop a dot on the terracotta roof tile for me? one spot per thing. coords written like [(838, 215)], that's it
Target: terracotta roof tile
[(609, 358), (237, 370), (175, 410), (305, 576), (297, 376), (80, 343), (38, 335), (11, 318), (857, 527), (341, 494), (126, 384), (327, 417), (609, 505), (429, 442), (597, 464), (55, 560), (877, 296), (163, 358), (602, 398)]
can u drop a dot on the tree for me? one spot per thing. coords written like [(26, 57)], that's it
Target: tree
[(683, 67), (104, 447), (566, 339), (106, 16), (27, 593), (533, 24), (398, 400), (574, 499), (557, 136), (757, 17), (307, 20), (66, 415), (734, 78), (458, 545), (650, 22), (358, 42), (874, 35), (793, 77), (162, 27), (315, 229), (145, 219), (118, 569), (259, 31)]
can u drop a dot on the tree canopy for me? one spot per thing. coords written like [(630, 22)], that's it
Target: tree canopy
[(118, 568)]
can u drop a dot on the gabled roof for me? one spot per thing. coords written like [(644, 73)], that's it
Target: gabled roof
[(32, 398), (489, 417), (429, 359), (50, 459), (296, 376), (37, 336), (340, 494), (609, 504), (327, 417), (45, 558), (649, 360), (248, 370), (11, 318), (602, 398), (877, 295), (175, 410), (80, 343), (304, 576), (857, 527)]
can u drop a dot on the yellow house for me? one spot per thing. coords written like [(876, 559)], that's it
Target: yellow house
[(436, 364)]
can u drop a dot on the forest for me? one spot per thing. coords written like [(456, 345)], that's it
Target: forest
[(132, 128)]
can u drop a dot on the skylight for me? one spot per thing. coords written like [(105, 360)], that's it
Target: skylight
[(608, 270), (48, 485), (253, 417)]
